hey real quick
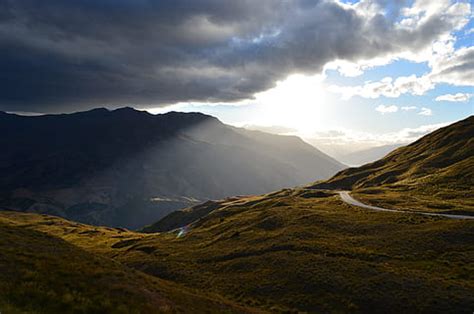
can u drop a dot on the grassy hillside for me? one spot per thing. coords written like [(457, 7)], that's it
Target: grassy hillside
[(443, 157), (41, 273), (298, 250), (435, 173)]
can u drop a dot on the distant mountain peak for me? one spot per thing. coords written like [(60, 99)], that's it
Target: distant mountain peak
[(128, 110), (125, 109)]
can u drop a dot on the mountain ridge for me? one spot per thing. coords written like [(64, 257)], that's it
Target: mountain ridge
[(128, 168), (433, 153), (378, 182)]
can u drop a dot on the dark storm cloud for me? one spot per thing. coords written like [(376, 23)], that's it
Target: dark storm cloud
[(60, 55)]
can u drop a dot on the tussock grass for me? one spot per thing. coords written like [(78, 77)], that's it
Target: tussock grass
[(288, 252), (58, 270)]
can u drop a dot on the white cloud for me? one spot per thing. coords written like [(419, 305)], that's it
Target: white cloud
[(448, 66), (419, 16), (357, 68), (426, 112), (342, 136), (456, 68), (409, 108), (383, 109), (412, 134), (387, 87), (459, 97), (345, 68), (421, 11)]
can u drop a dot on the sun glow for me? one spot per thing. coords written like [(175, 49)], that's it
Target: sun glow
[(297, 102)]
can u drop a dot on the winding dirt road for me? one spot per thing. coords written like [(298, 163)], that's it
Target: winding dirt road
[(345, 196)]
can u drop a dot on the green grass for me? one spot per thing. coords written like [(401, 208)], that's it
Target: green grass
[(434, 174), (443, 158), (435, 199), (319, 255), (300, 250), (41, 273)]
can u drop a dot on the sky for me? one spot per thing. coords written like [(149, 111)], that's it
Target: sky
[(351, 74)]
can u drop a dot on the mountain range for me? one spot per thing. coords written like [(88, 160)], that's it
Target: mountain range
[(128, 168), (292, 250), (368, 155)]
